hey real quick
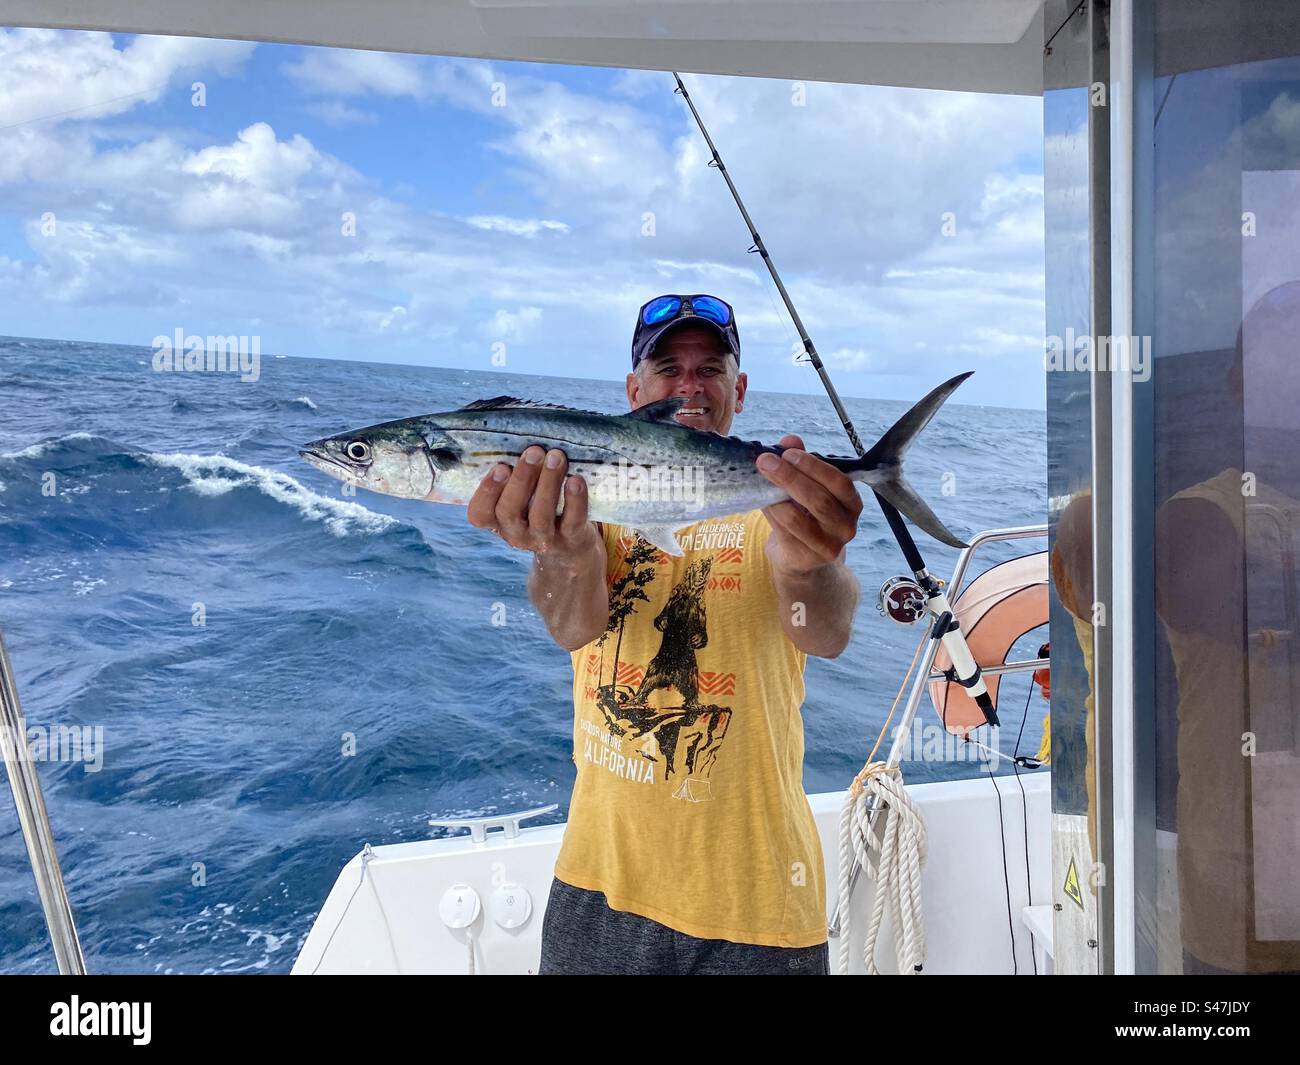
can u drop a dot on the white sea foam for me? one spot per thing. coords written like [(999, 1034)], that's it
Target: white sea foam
[(215, 475), (306, 402), (88, 586), (35, 451)]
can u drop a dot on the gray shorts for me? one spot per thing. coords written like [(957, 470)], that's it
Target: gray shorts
[(582, 935)]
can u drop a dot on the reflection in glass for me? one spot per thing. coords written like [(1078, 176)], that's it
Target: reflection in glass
[(1227, 498)]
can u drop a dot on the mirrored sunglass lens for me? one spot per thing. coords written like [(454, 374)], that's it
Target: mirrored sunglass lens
[(657, 310), (713, 309)]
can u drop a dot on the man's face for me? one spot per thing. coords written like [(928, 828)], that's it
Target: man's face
[(695, 363)]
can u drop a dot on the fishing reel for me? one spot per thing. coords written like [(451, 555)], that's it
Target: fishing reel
[(902, 600)]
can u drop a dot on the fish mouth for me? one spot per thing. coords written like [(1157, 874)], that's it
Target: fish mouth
[(328, 465)]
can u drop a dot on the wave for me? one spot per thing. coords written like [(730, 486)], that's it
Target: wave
[(296, 404), (216, 475), (208, 476), (31, 384), (54, 443)]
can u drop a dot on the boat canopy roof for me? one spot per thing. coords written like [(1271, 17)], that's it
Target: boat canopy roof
[(973, 45)]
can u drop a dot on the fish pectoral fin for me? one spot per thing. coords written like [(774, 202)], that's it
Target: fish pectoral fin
[(663, 537)]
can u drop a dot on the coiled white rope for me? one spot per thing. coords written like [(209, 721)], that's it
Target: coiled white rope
[(893, 856)]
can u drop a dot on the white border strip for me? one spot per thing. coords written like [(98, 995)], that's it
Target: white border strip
[(1123, 764)]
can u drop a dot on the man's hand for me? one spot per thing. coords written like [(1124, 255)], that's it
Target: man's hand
[(810, 529), (567, 581), (817, 593), (520, 505)]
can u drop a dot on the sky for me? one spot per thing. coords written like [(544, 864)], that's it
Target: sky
[(513, 216)]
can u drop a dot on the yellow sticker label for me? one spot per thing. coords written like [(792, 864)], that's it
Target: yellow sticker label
[(1072, 884)]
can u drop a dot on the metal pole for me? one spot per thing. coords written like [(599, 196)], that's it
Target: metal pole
[(35, 823)]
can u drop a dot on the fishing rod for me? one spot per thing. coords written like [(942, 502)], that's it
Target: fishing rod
[(965, 671)]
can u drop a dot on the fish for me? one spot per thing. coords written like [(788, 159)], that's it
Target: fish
[(644, 469)]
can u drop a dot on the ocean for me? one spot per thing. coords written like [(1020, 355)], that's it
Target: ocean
[(176, 583)]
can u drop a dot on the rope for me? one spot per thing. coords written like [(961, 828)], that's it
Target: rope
[(856, 814), (865, 796), (367, 855), (893, 855)]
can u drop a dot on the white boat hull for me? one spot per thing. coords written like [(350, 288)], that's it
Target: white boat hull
[(390, 921)]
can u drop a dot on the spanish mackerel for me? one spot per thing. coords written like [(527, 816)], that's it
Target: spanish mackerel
[(644, 470)]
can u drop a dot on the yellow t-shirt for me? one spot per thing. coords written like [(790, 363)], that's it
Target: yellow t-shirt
[(689, 806)]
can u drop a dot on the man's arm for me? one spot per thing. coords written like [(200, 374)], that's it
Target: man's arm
[(817, 592), (567, 581), (817, 607), (571, 595)]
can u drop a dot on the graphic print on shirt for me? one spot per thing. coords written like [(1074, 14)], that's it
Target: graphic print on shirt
[(683, 738)]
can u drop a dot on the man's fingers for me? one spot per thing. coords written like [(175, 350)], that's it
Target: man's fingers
[(801, 526), (575, 507), (483, 503), (823, 501), (826, 475), (522, 504), (512, 507), (546, 497)]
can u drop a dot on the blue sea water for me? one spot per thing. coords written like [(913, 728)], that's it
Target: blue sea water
[(224, 807)]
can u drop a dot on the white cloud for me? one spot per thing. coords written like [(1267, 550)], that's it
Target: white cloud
[(55, 76), (331, 71), (514, 325), (337, 113), (252, 181), (849, 359), (848, 192), (256, 159), (397, 314), (519, 227)]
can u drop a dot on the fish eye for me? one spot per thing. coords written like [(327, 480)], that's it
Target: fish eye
[(357, 450)]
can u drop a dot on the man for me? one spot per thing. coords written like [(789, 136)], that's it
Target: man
[(690, 846)]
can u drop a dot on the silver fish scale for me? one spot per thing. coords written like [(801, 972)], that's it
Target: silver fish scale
[(637, 472)]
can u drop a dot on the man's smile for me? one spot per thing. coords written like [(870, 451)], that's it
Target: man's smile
[(695, 415)]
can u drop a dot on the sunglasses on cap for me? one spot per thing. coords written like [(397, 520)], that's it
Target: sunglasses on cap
[(659, 314), (663, 308)]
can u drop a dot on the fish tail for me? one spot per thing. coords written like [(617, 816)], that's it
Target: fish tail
[(884, 462)]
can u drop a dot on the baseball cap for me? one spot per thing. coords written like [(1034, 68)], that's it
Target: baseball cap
[(661, 315)]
